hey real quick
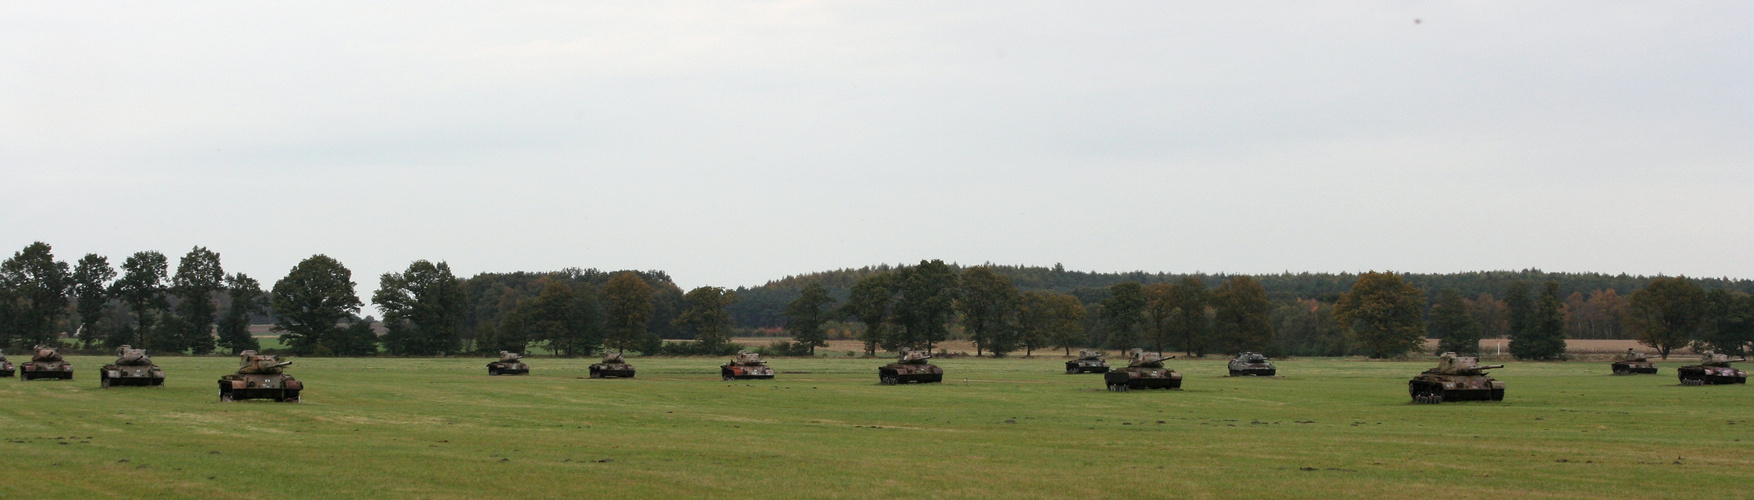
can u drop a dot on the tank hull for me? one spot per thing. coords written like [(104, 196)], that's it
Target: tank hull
[(611, 370), (1253, 371), (1126, 379), (50, 370), (1078, 366), (1710, 375), (745, 372), (130, 376), (1433, 389), (1632, 367), (6, 369), (903, 373), (275, 387), (498, 368)]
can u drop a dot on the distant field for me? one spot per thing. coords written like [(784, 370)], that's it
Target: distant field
[(441, 428)]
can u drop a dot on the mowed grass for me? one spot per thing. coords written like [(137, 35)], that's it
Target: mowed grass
[(441, 428)]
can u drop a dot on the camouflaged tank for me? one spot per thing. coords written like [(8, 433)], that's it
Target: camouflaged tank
[(260, 376), (1252, 364), (1456, 378), (508, 364), (46, 362), (1145, 371), (913, 366), (6, 368), (1632, 362), (1088, 362), (746, 365), (132, 368), (613, 366), (1713, 369)]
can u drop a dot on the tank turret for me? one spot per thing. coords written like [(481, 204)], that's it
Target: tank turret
[(260, 376), (1713, 369), (1456, 378), (613, 366), (509, 364), (46, 363), (911, 366), (745, 365), (132, 368), (1089, 361)]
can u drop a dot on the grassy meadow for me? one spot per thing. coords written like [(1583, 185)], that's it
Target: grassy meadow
[(441, 428)]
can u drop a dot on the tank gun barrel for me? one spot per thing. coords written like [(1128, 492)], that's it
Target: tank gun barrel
[(1488, 367), (280, 364)]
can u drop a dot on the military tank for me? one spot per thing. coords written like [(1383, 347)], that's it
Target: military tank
[(508, 364), (746, 365), (1456, 378), (1088, 362), (1252, 364), (1144, 371), (6, 369), (613, 366), (46, 362), (133, 368), (1713, 369), (913, 366), (1631, 363), (260, 376)]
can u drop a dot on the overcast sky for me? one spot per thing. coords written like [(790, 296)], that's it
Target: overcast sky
[(732, 143)]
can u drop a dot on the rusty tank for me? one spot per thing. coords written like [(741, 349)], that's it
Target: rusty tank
[(1456, 378), (1088, 362), (46, 362), (509, 364), (913, 366), (1631, 363), (746, 365), (132, 368), (1252, 364), (1144, 371), (1713, 369), (260, 376), (6, 368), (613, 366)]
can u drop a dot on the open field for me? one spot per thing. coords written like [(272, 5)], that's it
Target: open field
[(441, 428)]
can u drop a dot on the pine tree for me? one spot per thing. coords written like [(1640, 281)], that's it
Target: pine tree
[(1544, 336)]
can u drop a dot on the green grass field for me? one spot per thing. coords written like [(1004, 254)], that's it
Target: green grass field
[(441, 428)]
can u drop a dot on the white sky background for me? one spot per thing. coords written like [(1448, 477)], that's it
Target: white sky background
[(733, 143)]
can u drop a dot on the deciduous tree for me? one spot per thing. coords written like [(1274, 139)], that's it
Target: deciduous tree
[(142, 289), (310, 303), (870, 302), (627, 308), (806, 314), (705, 315), (1048, 318), (1545, 338), (36, 287), (1451, 323), (1122, 314), (1383, 313), (925, 304), (988, 304), (199, 276), (246, 299), (91, 283), (1190, 324), (424, 307), (1729, 323), (1667, 313), (1241, 316)]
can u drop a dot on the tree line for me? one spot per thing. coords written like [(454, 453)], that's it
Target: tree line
[(428, 310)]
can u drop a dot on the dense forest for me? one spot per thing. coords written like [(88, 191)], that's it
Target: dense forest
[(427, 310)]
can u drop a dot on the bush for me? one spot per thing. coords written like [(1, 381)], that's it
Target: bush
[(698, 349), (783, 348)]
